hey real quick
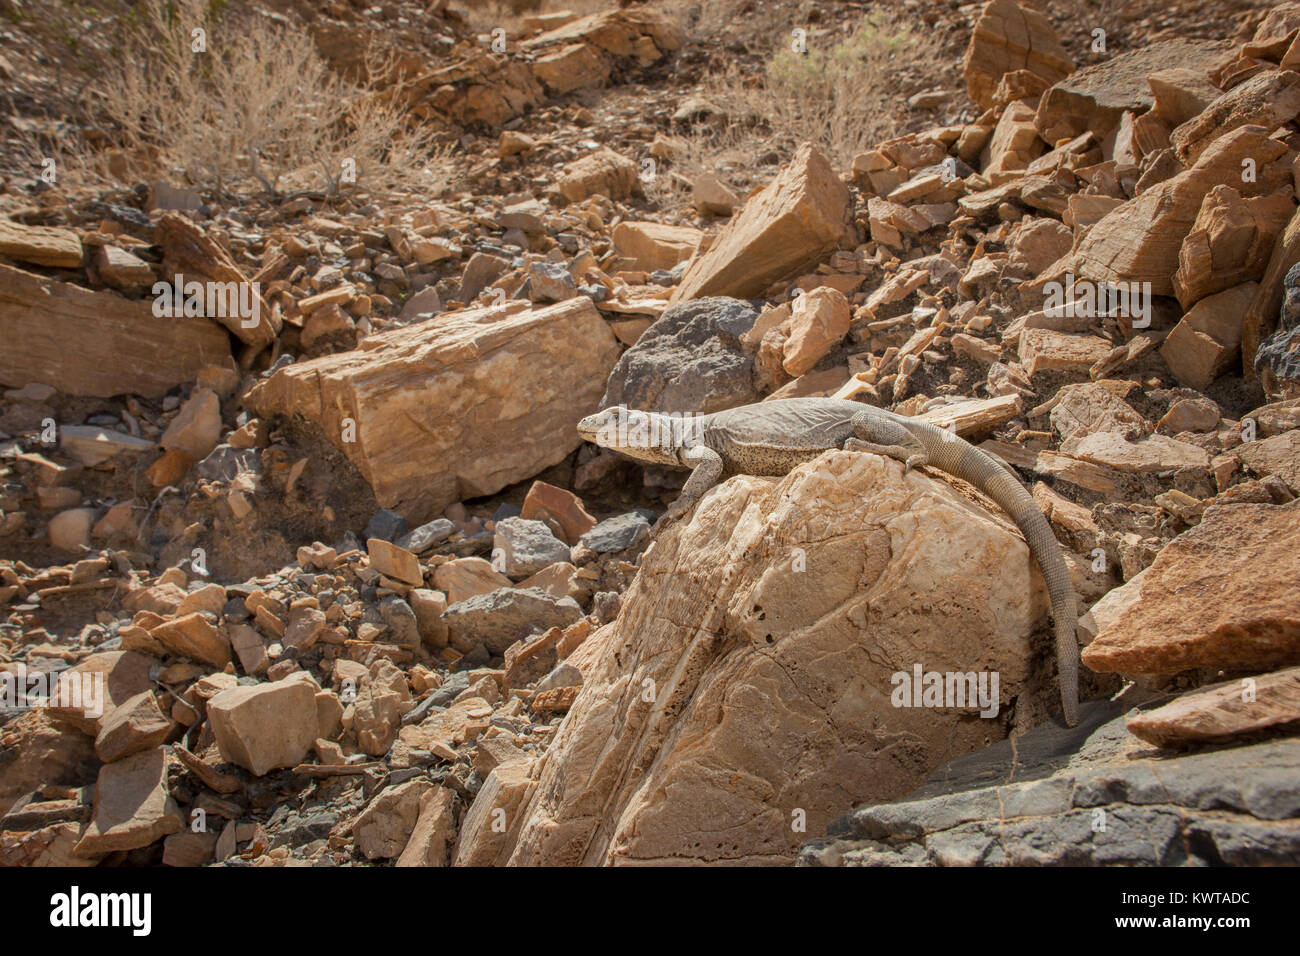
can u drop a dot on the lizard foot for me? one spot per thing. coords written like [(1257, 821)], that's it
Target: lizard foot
[(909, 455), (678, 509)]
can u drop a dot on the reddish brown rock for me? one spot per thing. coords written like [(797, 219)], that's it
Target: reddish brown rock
[(1220, 595), (1223, 712)]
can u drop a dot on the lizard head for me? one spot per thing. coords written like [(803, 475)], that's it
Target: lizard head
[(645, 436)]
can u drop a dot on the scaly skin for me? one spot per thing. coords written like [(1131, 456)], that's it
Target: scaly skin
[(771, 438)]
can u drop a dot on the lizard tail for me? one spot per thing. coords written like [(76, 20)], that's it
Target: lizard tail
[(965, 461)]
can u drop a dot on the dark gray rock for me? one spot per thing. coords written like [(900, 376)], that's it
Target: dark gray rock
[(1091, 795), (426, 536), (226, 463), (690, 360), (1279, 354), (501, 617), (618, 533), (452, 687), (400, 618), (386, 524), (526, 547)]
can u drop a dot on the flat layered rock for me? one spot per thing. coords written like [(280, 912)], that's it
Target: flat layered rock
[(439, 412), (787, 228), (1269, 100), (1223, 712), (97, 343), (133, 807), (1221, 595), (40, 245), (1151, 455)]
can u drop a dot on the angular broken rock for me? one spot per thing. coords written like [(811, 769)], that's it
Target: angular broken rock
[(1222, 712), (818, 322), (266, 727), (93, 445), (1096, 97), (461, 578), (1278, 455), (394, 562), (499, 618), (727, 630), (1220, 595), (1268, 99), (604, 173), (435, 829), (196, 429), (1151, 455), (1008, 37), (195, 637), (132, 805), (785, 229), (97, 343), (1140, 240), (188, 251), (526, 547), (482, 841), (651, 245), (560, 510), (385, 826), (1230, 242), (136, 725), (90, 690), (1206, 342), (436, 413)]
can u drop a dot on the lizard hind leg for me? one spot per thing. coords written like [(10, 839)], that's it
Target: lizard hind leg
[(881, 436)]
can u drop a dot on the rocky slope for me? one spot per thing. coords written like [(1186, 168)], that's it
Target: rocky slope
[(321, 573)]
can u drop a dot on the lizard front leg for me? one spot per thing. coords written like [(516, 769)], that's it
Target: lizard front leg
[(882, 436), (706, 470)]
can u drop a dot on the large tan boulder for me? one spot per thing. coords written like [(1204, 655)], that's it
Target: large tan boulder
[(743, 694), (1221, 595), (457, 408), (1008, 37), (787, 228)]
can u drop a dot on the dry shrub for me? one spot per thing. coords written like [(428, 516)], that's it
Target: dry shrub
[(842, 97), (257, 108)]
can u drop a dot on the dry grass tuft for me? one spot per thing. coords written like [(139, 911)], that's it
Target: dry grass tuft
[(258, 109)]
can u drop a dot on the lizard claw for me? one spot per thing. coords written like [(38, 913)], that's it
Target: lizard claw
[(915, 461)]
